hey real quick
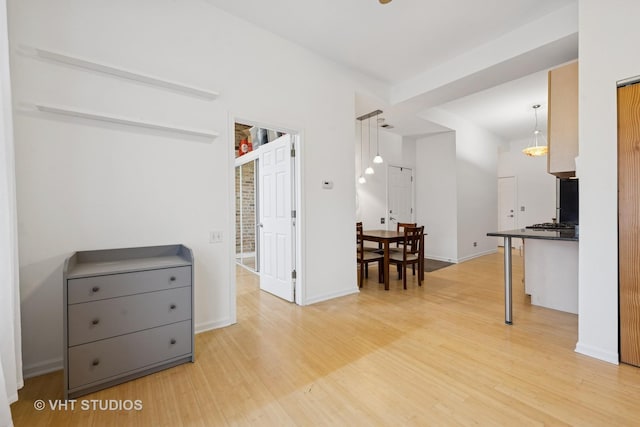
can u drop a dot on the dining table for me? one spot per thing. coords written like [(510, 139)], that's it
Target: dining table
[(385, 238)]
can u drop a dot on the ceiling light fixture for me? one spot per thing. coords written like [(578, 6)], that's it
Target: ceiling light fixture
[(384, 1), (538, 146), (378, 158), (362, 179), (369, 170)]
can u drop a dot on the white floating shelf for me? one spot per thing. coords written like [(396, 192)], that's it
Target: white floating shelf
[(120, 72), (125, 121)]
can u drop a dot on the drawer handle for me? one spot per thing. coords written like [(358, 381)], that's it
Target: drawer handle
[(95, 362), (173, 341), (95, 321), (95, 289), (172, 306), (172, 278)]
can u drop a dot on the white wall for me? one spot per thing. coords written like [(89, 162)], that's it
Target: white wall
[(477, 161), (372, 196), (436, 189), (608, 42), (536, 189), (86, 185), (476, 179)]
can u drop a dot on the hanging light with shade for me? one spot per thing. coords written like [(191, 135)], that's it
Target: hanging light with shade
[(361, 179), (369, 170), (538, 145), (378, 158)]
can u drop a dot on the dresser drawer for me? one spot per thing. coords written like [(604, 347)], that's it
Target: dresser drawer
[(101, 360), (117, 285), (92, 321)]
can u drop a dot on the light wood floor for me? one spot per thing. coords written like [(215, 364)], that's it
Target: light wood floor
[(436, 355)]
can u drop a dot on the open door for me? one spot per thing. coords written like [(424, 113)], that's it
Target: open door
[(276, 218)]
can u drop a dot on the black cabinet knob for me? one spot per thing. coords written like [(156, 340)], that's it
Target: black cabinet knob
[(172, 278), (172, 306), (95, 321), (95, 362), (173, 341), (95, 289)]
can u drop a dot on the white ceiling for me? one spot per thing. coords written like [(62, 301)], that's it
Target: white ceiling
[(397, 42)]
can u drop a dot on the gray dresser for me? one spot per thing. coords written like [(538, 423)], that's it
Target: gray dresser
[(127, 313)]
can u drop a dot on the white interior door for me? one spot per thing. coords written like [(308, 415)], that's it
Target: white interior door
[(276, 223), (400, 196), (507, 206)]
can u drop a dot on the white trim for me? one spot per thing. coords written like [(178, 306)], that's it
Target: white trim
[(44, 367), (477, 255), (118, 72), (231, 192), (598, 353), (124, 121), (330, 296), (208, 326), (440, 258)]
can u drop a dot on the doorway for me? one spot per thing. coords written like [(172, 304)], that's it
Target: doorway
[(246, 216), (266, 215), (507, 196)]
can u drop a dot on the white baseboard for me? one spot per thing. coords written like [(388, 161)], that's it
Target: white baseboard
[(463, 259), (208, 326), (41, 368), (326, 297), (598, 353), (439, 258), (478, 255)]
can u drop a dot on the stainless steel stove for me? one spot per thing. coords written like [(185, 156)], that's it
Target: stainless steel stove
[(552, 226)]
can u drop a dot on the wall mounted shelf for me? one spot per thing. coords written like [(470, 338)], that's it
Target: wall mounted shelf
[(119, 72), (125, 121)]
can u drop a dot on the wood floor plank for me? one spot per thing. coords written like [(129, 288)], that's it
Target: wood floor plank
[(439, 354)]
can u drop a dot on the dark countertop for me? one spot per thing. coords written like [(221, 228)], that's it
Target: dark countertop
[(529, 233)]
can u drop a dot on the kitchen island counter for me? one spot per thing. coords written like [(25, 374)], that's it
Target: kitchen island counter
[(551, 268), (534, 233)]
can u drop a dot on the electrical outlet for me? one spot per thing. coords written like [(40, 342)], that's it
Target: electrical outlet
[(215, 237), (475, 244), (381, 220)]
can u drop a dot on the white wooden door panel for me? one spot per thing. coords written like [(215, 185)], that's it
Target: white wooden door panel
[(400, 196), (276, 226)]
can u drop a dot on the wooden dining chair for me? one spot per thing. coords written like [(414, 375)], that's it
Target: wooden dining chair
[(412, 252), (400, 228), (367, 256)]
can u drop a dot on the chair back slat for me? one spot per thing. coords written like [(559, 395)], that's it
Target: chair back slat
[(413, 240), (401, 226)]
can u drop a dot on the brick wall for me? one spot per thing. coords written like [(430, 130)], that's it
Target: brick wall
[(245, 201)]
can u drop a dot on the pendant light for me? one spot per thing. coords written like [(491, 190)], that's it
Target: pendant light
[(362, 179), (378, 158), (538, 146), (369, 170)]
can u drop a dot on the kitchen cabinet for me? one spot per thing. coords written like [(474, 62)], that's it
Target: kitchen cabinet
[(562, 121), (127, 313)]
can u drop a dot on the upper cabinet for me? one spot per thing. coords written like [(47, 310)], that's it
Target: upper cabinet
[(562, 121)]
